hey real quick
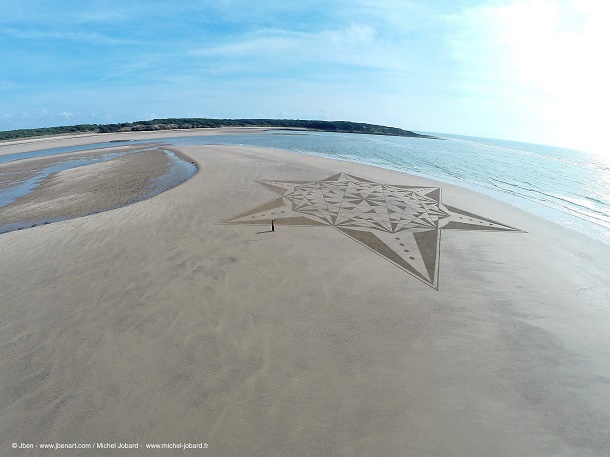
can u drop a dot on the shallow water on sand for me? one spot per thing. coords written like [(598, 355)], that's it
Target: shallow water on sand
[(179, 171), (24, 187)]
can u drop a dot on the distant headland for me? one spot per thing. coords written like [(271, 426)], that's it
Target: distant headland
[(198, 123)]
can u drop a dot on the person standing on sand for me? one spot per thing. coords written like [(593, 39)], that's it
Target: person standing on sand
[(273, 225)]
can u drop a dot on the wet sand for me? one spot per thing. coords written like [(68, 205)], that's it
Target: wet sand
[(159, 322), (60, 141), (84, 190)]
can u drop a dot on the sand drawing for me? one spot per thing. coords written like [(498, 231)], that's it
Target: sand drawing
[(402, 224)]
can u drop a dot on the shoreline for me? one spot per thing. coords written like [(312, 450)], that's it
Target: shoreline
[(532, 207), (336, 126), (18, 146)]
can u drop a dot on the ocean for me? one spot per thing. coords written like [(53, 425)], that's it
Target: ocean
[(571, 188)]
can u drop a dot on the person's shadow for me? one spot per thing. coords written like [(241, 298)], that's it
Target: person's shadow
[(266, 231)]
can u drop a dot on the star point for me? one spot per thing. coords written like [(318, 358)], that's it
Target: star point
[(402, 224)]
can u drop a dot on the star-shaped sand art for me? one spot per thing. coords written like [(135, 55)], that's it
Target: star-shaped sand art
[(403, 224)]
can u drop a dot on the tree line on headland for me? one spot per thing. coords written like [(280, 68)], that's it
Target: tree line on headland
[(196, 123)]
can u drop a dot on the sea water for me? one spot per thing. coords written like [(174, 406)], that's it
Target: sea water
[(571, 188)]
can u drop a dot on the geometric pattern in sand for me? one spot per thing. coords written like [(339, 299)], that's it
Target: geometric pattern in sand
[(402, 224)]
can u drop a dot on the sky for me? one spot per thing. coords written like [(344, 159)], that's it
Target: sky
[(526, 70)]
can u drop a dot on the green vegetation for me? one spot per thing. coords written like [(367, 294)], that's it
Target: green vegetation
[(196, 123)]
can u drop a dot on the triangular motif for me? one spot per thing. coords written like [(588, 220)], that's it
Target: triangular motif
[(401, 223)]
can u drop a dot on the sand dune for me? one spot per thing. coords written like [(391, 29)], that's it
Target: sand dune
[(159, 323)]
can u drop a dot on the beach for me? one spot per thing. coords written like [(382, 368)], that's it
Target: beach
[(183, 319), (80, 191), (59, 141)]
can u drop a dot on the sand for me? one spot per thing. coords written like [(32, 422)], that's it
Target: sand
[(158, 323), (80, 191), (60, 141)]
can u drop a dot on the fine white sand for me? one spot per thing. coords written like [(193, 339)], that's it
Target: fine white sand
[(154, 323)]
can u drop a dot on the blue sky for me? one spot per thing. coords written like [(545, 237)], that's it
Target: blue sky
[(528, 70)]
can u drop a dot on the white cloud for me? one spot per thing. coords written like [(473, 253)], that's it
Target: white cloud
[(37, 34), (98, 16), (547, 59), (353, 45)]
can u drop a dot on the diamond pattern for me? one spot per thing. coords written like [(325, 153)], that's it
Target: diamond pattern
[(400, 223)]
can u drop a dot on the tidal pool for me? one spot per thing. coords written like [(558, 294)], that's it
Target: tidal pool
[(29, 188)]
